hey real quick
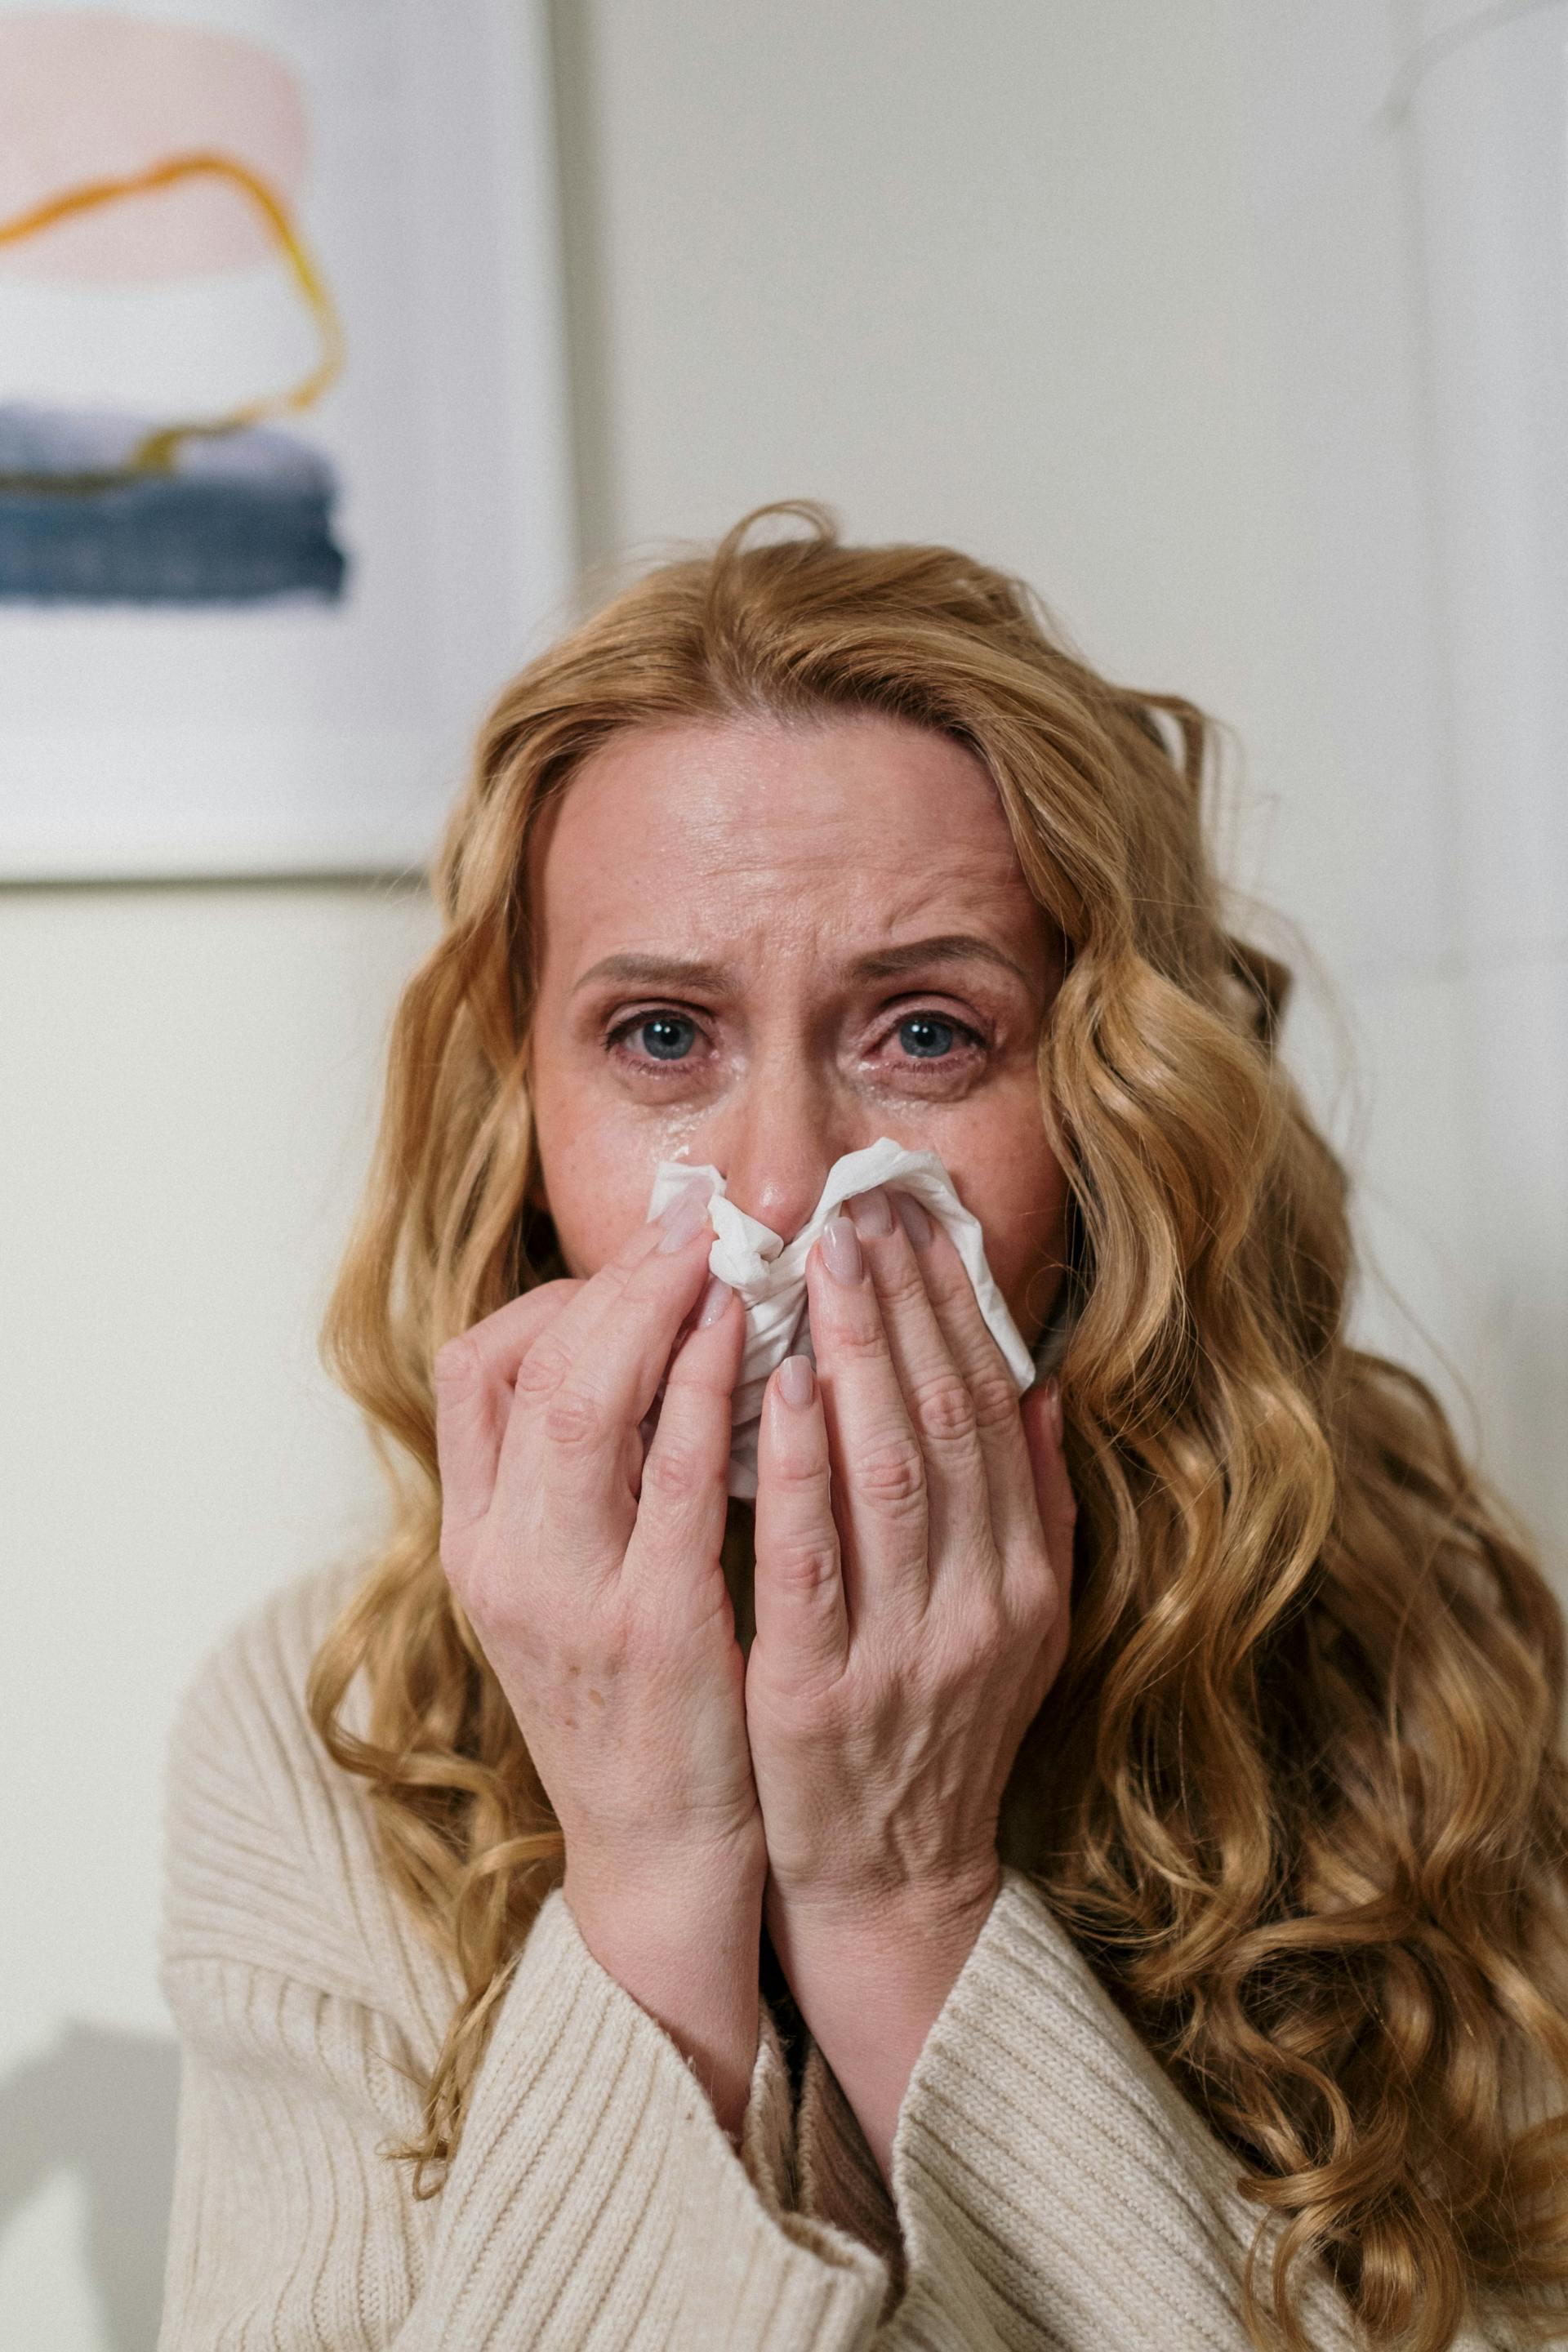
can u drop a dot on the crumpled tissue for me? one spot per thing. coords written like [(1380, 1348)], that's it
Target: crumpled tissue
[(770, 1274)]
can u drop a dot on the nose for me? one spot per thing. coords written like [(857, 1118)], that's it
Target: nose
[(775, 1140)]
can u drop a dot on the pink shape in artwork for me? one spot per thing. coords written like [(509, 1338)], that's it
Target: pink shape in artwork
[(85, 97)]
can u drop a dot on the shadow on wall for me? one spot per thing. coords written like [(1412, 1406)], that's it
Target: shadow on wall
[(101, 2104)]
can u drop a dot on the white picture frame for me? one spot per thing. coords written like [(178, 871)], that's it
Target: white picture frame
[(294, 730)]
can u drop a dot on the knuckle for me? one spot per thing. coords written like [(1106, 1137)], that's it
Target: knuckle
[(796, 1474), (573, 1421), (946, 1282), (674, 1471), (892, 1474), (903, 1283), (994, 1398), (804, 1569), (541, 1371), (861, 1343), (944, 1410), (973, 1650)]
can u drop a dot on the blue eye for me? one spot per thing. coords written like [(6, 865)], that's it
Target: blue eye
[(925, 1037), (667, 1036)]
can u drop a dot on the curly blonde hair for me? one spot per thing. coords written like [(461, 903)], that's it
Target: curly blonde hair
[(1298, 1794)]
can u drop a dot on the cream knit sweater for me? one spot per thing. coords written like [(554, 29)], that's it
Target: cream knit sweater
[(1051, 2187)]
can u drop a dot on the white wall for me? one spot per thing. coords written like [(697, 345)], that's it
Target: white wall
[(187, 1079), (1127, 297)]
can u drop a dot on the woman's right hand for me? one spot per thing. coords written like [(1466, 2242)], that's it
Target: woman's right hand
[(589, 1565)]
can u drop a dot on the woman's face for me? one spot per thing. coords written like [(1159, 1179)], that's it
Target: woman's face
[(764, 946)]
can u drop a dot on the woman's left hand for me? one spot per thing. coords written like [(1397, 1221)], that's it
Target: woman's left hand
[(913, 1566)]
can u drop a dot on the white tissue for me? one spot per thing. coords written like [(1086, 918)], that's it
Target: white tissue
[(770, 1274)]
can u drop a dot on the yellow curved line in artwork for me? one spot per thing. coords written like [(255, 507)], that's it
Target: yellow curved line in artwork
[(157, 451)]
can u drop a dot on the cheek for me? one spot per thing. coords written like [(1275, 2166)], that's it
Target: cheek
[(1016, 1189), (1028, 1263), (596, 1194), (596, 1165), (593, 1216)]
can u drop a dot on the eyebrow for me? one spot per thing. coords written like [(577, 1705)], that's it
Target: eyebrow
[(882, 963), (949, 947)]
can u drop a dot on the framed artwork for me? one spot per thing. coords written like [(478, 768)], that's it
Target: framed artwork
[(284, 482)]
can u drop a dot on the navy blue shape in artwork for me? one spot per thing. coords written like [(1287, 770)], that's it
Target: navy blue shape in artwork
[(241, 518)]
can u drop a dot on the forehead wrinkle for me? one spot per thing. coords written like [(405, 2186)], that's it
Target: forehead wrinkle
[(749, 834), (970, 898), (965, 877), (840, 934), (791, 888)]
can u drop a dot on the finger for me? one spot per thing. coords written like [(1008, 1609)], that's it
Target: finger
[(685, 1489), (548, 1365), (1054, 1497), (802, 1613), (936, 1397), (473, 1381), (583, 1390), (984, 1369), (879, 1470), (596, 1297)]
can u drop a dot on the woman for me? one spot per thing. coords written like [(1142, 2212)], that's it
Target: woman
[(629, 1916)]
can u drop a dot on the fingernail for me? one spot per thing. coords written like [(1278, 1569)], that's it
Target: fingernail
[(686, 1214), (871, 1213), (841, 1248), (797, 1383), (1054, 1404), (914, 1219), (715, 1298)]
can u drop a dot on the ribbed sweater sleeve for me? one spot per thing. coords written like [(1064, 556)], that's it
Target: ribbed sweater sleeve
[(595, 2199), (1050, 2186)]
